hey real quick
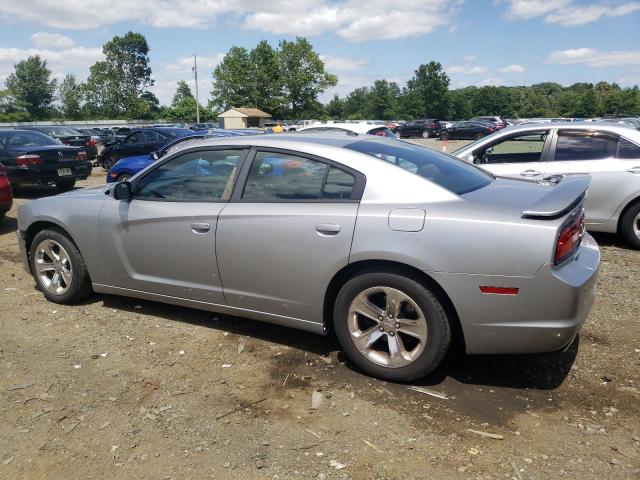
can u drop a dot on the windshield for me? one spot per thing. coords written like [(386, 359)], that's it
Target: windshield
[(24, 138), (449, 172)]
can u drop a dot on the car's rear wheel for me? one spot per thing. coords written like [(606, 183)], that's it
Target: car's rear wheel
[(391, 326), (444, 136), (58, 267), (66, 185), (479, 135), (425, 134), (630, 225)]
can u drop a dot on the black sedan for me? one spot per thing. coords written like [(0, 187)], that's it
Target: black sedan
[(31, 157), (469, 130), (139, 142), (424, 127), (70, 136)]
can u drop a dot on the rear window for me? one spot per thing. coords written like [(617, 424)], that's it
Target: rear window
[(449, 172), (26, 138), (61, 131)]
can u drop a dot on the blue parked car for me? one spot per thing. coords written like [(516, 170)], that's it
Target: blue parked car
[(127, 167)]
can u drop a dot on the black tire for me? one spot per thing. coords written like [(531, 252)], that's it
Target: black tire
[(479, 135), (439, 329), (124, 177), (80, 287), (66, 185), (444, 136), (627, 222), (425, 134)]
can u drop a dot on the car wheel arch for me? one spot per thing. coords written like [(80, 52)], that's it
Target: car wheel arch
[(630, 204), (40, 225), (362, 266)]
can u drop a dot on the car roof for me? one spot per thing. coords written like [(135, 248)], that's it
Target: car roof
[(608, 126), (359, 127)]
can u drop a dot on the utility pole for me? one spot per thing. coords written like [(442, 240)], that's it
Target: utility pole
[(195, 72)]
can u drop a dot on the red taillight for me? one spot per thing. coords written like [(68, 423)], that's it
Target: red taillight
[(90, 143), (490, 129), (81, 156), (569, 238), (29, 160)]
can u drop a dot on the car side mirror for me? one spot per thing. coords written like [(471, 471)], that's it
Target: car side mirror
[(122, 191), (155, 155)]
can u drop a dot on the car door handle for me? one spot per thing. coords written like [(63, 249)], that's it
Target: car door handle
[(200, 227), (635, 170), (530, 173), (327, 228)]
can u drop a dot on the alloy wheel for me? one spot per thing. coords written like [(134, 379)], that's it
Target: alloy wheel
[(53, 267), (387, 326), (636, 225)]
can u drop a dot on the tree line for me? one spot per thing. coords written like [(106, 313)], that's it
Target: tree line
[(286, 82)]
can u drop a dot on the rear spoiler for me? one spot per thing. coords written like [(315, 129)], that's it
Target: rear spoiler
[(571, 191)]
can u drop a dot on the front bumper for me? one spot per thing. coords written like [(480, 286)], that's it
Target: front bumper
[(544, 316)]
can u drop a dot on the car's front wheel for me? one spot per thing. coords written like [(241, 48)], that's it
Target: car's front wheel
[(66, 185), (391, 326), (58, 267), (630, 225), (425, 134)]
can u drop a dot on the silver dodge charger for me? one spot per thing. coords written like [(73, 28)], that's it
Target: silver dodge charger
[(398, 249)]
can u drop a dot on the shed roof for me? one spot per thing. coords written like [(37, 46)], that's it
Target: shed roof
[(244, 112)]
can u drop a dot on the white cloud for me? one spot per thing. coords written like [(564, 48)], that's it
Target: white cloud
[(51, 40), (184, 64), (76, 60), (594, 58), (492, 82), (467, 69), (350, 19), (343, 64), (630, 80), (512, 69), (567, 13)]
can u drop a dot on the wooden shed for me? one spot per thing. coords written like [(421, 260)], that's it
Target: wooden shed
[(243, 118)]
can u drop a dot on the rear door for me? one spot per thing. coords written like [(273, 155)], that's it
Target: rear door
[(521, 155), (286, 231), (596, 153)]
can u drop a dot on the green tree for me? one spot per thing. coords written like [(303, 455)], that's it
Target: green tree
[(383, 100), (70, 95), (32, 87), (267, 88), (183, 93), (9, 109), (335, 107), (232, 82), (431, 84), (304, 76), (356, 104), (117, 87)]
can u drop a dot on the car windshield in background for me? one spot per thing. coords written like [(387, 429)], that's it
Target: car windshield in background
[(174, 132), (23, 138), (448, 172), (61, 131)]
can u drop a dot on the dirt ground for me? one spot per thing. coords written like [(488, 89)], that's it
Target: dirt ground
[(122, 388)]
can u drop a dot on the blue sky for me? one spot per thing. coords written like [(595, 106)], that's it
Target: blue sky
[(479, 42)]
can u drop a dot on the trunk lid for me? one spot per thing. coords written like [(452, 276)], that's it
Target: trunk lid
[(50, 153)]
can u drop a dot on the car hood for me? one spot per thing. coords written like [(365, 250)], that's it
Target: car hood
[(133, 161), (86, 192)]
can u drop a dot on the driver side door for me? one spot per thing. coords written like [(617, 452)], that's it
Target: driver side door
[(162, 241), (522, 155)]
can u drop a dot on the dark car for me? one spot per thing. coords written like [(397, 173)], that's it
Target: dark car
[(70, 136), (498, 122), (469, 130), (139, 142), (120, 132), (31, 157), (203, 127), (99, 135), (423, 127), (6, 195)]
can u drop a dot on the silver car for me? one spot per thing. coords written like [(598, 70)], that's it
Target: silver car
[(398, 249), (608, 152)]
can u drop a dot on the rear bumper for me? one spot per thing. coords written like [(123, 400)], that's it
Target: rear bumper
[(47, 174), (544, 316)]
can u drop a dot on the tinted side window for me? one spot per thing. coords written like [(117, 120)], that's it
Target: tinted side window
[(338, 185), (626, 149), (192, 177), (134, 137), (149, 136), (276, 176), (579, 145)]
